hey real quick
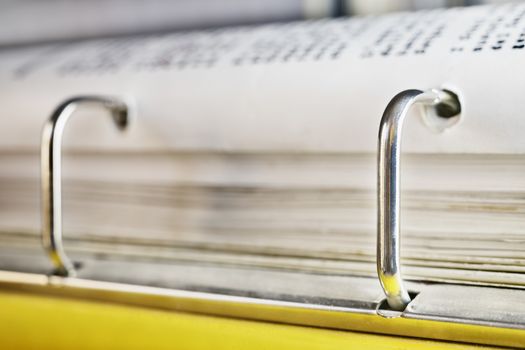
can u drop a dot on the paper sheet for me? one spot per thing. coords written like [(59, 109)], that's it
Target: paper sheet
[(315, 86)]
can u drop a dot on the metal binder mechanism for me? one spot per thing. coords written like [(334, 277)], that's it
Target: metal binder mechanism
[(51, 157), (445, 105), (444, 311)]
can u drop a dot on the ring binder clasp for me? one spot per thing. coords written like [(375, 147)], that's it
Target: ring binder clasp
[(388, 194), (51, 157)]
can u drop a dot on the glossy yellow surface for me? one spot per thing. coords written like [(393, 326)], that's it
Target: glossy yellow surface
[(30, 321)]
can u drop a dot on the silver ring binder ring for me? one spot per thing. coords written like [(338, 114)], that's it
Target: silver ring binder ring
[(446, 105), (51, 155)]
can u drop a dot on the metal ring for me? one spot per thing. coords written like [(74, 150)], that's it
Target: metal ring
[(50, 160), (388, 194)]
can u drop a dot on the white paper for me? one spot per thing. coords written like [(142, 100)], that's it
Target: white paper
[(316, 86)]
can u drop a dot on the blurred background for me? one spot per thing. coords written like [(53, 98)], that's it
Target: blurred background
[(36, 21)]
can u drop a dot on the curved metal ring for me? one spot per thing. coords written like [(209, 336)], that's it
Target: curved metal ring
[(50, 161), (388, 200)]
